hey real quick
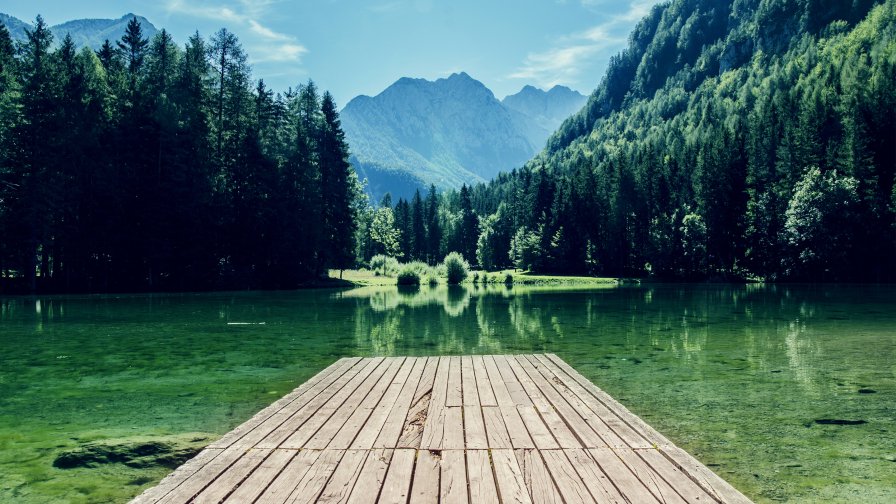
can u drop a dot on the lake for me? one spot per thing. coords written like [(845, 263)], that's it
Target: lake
[(738, 375)]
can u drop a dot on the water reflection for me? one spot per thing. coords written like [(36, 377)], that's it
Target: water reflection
[(765, 327)]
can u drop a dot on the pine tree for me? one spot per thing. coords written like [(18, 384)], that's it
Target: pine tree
[(433, 229), (418, 228), (30, 205), (469, 225), (337, 186)]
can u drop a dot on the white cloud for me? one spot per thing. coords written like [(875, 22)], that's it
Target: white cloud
[(247, 17), (267, 33), (563, 63), (281, 53)]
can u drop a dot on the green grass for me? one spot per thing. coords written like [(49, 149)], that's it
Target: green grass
[(363, 278)]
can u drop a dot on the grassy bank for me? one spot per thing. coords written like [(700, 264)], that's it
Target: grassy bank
[(365, 277)]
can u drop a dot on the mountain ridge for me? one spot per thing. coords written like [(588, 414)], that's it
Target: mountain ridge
[(448, 132), (89, 32)]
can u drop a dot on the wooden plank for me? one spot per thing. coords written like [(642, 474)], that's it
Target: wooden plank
[(366, 377), (282, 487), (397, 486), (656, 484), (412, 429), (468, 382), (372, 476), (312, 483), (597, 482), (509, 478), (360, 413), (502, 395), (568, 481), (175, 479), (474, 428), (285, 406), (454, 392), (343, 386), (425, 486), (683, 485), (209, 472), (538, 431), (639, 425), (352, 413), (483, 384), (390, 430), (590, 431), (262, 477), (623, 479), (453, 484), (564, 437), (514, 387), (516, 429), (538, 480), (583, 432), (368, 434), (221, 487), (342, 482), (626, 433), (428, 379), (495, 430), (454, 429), (709, 481), (481, 480), (434, 425)]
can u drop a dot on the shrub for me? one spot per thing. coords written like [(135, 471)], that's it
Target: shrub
[(433, 281), (408, 276), (508, 280), (380, 263), (475, 277), (456, 268)]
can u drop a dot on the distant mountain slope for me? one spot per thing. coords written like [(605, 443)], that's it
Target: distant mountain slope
[(15, 26), (544, 111), (84, 32), (448, 132)]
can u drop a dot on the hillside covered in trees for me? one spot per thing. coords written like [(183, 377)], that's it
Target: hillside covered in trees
[(147, 166), (731, 139)]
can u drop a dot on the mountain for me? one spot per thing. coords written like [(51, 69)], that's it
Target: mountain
[(84, 32), (15, 26), (543, 111), (447, 132), (730, 139)]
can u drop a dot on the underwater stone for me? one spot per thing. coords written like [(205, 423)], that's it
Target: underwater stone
[(867, 391), (138, 452), (837, 421)]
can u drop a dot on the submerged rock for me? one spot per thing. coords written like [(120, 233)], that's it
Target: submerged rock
[(837, 421), (867, 391), (138, 451)]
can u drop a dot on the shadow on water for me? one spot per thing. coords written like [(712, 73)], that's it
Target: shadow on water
[(787, 391)]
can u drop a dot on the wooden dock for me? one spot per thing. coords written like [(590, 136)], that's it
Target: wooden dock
[(477, 429)]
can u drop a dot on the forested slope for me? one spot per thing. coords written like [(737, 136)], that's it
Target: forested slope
[(148, 166), (732, 138)]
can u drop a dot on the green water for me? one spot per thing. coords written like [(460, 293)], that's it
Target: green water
[(737, 375)]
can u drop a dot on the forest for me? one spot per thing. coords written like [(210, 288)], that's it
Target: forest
[(145, 166), (743, 139), (752, 139)]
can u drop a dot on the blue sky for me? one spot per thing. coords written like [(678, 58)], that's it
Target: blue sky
[(354, 47)]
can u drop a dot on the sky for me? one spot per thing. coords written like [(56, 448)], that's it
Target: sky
[(355, 47)]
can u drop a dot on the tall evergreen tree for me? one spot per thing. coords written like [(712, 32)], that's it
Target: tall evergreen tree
[(433, 228), (418, 228), (337, 183)]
